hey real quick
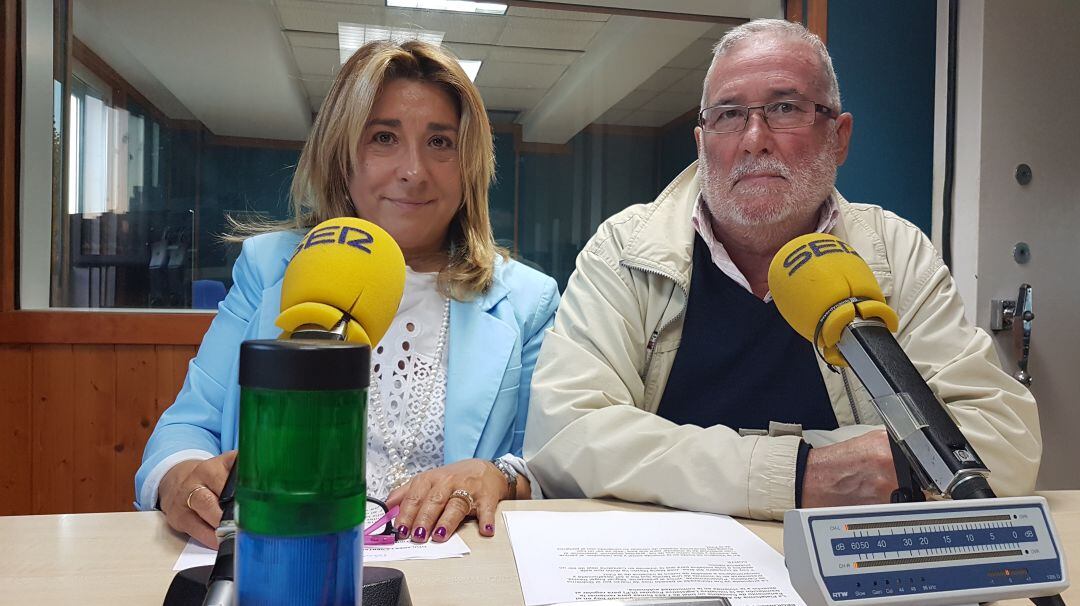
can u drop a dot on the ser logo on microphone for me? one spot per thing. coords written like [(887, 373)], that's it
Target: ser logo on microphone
[(337, 234), (814, 248)]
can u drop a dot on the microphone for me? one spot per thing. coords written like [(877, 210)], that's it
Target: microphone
[(301, 470), (829, 295), (343, 283)]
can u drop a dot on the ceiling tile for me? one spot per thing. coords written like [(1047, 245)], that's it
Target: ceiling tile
[(312, 39), (534, 55), (323, 17), (673, 102), (316, 87), (717, 31), (511, 98), (692, 82), (613, 116), (320, 62), (362, 2), (471, 52), (682, 116), (519, 75), (475, 32), (663, 79), (545, 13), (635, 99), (698, 54), (549, 33)]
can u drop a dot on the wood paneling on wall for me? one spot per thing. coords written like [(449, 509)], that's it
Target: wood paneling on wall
[(74, 420), (80, 391), (15, 470)]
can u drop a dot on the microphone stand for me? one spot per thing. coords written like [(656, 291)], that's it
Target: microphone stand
[(929, 452), (220, 590), (908, 489)]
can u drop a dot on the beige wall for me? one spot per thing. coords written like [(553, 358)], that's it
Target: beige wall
[(1016, 77)]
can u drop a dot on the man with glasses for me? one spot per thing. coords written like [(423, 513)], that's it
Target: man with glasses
[(670, 377)]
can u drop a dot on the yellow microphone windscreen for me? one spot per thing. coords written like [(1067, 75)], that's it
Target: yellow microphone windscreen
[(343, 265), (814, 272)]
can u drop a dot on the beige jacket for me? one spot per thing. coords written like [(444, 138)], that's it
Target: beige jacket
[(592, 428)]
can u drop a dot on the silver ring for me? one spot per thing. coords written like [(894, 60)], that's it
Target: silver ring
[(464, 495)]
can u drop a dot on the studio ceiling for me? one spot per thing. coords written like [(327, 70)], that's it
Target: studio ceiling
[(261, 68)]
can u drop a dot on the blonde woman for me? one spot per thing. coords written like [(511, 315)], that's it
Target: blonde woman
[(402, 140)]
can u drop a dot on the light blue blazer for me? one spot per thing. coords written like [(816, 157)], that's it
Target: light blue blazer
[(494, 342)]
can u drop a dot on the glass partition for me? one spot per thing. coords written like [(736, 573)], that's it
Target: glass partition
[(169, 117)]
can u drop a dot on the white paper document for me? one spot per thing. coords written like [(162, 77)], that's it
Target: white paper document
[(454, 547), (567, 557), (195, 554)]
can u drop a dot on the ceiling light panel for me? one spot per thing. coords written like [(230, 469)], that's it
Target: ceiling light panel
[(352, 36), (458, 6)]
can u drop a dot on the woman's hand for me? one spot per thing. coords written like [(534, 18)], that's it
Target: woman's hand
[(198, 484), (428, 511)]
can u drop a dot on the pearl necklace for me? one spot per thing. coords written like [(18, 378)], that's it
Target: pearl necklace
[(424, 387)]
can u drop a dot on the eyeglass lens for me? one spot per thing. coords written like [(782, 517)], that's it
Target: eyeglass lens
[(778, 115)]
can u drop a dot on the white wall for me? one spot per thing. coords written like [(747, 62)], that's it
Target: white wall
[(940, 75), (35, 206), (1016, 80), (969, 86)]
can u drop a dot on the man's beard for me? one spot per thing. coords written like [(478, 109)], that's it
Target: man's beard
[(804, 188)]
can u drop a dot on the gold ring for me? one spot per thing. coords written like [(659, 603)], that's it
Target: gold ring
[(464, 495), (192, 493)]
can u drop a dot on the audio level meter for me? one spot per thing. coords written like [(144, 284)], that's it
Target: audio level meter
[(942, 553)]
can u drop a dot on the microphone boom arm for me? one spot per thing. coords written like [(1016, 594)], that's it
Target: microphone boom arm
[(940, 456)]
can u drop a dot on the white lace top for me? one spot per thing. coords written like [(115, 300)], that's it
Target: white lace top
[(406, 354)]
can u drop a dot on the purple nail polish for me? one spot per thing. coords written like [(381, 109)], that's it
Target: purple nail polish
[(489, 528), (419, 533), (403, 532), (440, 532)]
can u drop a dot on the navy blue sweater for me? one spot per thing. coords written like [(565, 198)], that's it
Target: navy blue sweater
[(739, 363)]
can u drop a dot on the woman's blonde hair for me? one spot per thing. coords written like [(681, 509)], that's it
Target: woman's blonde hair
[(320, 186)]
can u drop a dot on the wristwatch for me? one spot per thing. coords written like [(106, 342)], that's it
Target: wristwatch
[(511, 475)]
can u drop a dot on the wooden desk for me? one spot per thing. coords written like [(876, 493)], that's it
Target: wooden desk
[(126, 558)]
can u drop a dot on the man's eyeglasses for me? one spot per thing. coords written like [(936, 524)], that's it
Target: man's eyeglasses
[(778, 115), (379, 523)]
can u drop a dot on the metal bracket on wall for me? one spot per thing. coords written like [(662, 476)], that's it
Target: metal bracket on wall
[(1017, 316)]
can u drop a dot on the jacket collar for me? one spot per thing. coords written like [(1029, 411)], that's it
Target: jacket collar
[(498, 290), (867, 241), (663, 241)]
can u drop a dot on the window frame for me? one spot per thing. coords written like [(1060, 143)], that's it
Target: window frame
[(21, 324)]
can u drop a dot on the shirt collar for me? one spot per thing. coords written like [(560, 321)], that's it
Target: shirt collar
[(828, 217)]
